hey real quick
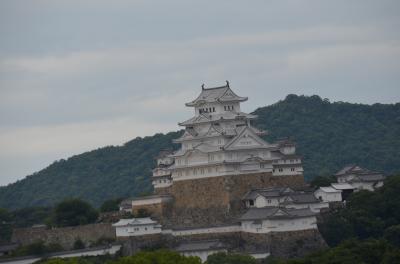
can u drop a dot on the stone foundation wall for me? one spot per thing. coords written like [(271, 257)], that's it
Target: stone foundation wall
[(160, 212), (285, 244), (65, 236), (216, 200), (296, 244), (165, 190)]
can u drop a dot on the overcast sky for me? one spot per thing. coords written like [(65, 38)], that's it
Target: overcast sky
[(78, 75)]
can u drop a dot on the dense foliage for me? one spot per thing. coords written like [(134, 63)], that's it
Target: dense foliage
[(366, 215), (70, 212), (74, 212), (25, 217), (160, 256), (157, 257), (95, 176), (370, 251), (329, 136), (5, 225), (38, 248), (319, 181), (332, 135), (111, 205), (224, 258)]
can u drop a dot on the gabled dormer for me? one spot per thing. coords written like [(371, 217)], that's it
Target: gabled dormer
[(222, 94)]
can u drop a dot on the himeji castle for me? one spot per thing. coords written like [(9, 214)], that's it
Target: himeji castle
[(225, 188), (220, 140)]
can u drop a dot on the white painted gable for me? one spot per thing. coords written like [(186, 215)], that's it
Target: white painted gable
[(247, 138)]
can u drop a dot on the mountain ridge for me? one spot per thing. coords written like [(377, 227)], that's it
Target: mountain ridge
[(328, 135)]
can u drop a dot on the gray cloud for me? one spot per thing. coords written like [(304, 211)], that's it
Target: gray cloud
[(76, 75)]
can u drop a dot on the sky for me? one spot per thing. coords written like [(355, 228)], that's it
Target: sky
[(76, 75)]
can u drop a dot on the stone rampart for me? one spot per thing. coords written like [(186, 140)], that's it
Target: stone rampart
[(284, 244), (65, 236), (296, 243), (216, 200)]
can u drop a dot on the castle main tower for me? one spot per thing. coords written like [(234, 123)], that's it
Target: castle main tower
[(222, 157)]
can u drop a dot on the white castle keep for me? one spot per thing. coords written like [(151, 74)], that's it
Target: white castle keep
[(219, 140)]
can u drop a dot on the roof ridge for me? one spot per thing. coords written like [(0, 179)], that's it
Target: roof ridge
[(214, 88)]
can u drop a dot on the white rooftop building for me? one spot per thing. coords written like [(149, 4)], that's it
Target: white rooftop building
[(283, 197), (275, 219), (328, 194), (136, 227), (360, 178)]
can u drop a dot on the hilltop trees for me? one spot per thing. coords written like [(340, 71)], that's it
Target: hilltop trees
[(224, 258), (110, 205), (74, 212)]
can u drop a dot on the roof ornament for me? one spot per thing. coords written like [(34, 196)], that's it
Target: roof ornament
[(202, 86), (227, 83)]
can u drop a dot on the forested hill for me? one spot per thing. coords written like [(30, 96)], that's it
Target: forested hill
[(332, 135), (328, 135)]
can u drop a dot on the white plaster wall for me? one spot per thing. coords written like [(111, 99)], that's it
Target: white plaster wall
[(125, 231), (363, 186), (287, 171), (156, 200), (162, 183), (328, 197), (314, 207), (261, 201), (288, 150), (280, 225)]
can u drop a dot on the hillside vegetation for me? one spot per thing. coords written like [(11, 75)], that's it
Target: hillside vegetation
[(328, 135)]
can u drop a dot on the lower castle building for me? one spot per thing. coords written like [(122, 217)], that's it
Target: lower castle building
[(227, 184)]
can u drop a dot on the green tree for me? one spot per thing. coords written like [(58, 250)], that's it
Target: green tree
[(74, 212), (78, 244), (158, 257), (322, 181), (392, 234), (5, 225), (224, 258), (366, 215), (110, 205)]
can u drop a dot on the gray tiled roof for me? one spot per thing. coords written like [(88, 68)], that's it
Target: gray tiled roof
[(275, 213), (303, 198), (204, 118), (200, 246), (209, 95), (371, 177), (361, 174), (268, 192)]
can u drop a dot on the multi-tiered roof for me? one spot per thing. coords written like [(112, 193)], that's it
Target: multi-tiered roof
[(219, 140)]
